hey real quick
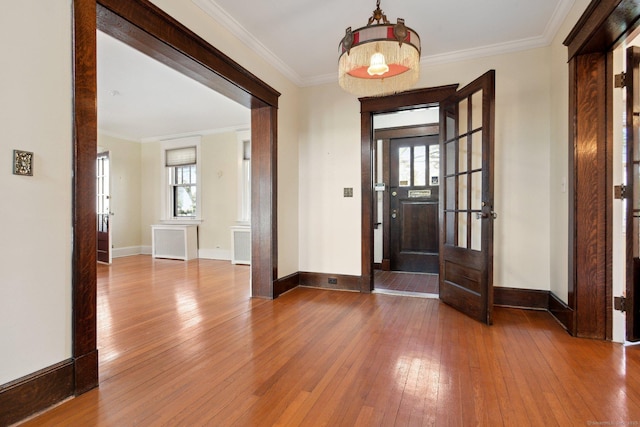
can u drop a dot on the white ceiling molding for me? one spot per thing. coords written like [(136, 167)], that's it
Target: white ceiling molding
[(192, 134), (558, 17), (217, 13), (483, 51)]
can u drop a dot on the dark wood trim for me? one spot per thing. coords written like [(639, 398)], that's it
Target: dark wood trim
[(590, 209), (321, 280), (521, 298), (562, 312), (36, 392), (368, 107), (368, 201), (571, 185), (264, 235), (408, 100), (84, 287), (147, 28), (536, 300), (407, 131), (603, 24), (285, 284)]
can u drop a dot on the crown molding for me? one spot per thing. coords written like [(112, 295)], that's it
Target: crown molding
[(204, 132), (221, 16)]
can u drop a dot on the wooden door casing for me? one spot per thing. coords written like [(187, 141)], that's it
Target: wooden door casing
[(632, 212)]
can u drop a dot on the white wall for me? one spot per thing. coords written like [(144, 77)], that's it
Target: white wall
[(559, 156), (196, 20), (124, 163), (217, 191), (35, 212), (219, 194), (330, 160)]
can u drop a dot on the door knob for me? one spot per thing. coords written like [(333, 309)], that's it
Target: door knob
[(480, 215)]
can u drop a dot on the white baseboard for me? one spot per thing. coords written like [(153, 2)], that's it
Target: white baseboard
[(221, 254), (128, 251)]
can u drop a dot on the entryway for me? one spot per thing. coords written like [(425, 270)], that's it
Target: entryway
[(407, 159), (465, 220)]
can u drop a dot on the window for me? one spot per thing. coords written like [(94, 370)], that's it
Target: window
[(182, 179)]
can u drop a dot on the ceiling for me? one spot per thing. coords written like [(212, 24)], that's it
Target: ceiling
[(140, 99)]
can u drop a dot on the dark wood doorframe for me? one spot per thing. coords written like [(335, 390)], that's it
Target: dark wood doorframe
[(368, 107), (603, 25), (386, 135), (147, 28)]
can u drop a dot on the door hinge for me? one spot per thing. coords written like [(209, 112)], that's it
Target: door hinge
[(620, 80), (620, 303), (620, 191)]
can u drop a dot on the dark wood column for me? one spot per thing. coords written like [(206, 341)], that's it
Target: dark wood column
[(264, 258), (366, 181), (588, 204), (85, 349)]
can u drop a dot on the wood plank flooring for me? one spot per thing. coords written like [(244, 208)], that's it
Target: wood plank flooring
[(183, 344), (405, 282)]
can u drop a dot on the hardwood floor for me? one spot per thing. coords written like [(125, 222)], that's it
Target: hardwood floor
[(181, 343), (423, 283)]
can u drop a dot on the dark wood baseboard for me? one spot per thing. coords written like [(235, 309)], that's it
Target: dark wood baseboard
[(86, 372), (285, 284), (36, 392), (562, 312), (521, 298), (538, 300), (321, 280)]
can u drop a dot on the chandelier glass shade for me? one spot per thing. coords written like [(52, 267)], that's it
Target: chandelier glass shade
[(380, 58)]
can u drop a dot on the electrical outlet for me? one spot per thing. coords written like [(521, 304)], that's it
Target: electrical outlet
[(333, 281)]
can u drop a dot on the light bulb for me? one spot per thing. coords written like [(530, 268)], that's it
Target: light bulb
[(378, 65)]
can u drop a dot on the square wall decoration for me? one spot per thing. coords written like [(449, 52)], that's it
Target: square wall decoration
[(22, 163)]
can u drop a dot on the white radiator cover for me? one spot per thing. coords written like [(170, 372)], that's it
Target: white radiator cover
[(174, 241), (241, 244)]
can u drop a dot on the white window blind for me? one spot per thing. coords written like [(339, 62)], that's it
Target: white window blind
[(181, 156)]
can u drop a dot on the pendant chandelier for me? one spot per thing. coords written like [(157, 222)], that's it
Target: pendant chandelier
[(379, 59)]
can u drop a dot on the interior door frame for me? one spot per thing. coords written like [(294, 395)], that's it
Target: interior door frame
[(631, 226), (602, 26), (370, 106), (386, 135), (146, 27), (107, 155)]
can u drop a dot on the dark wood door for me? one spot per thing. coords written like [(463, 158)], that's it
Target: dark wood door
[(413, 206), (466, 198), (632, 202), (103, 208)]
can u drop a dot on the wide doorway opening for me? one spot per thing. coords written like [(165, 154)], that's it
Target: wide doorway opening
[(406, 175)]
